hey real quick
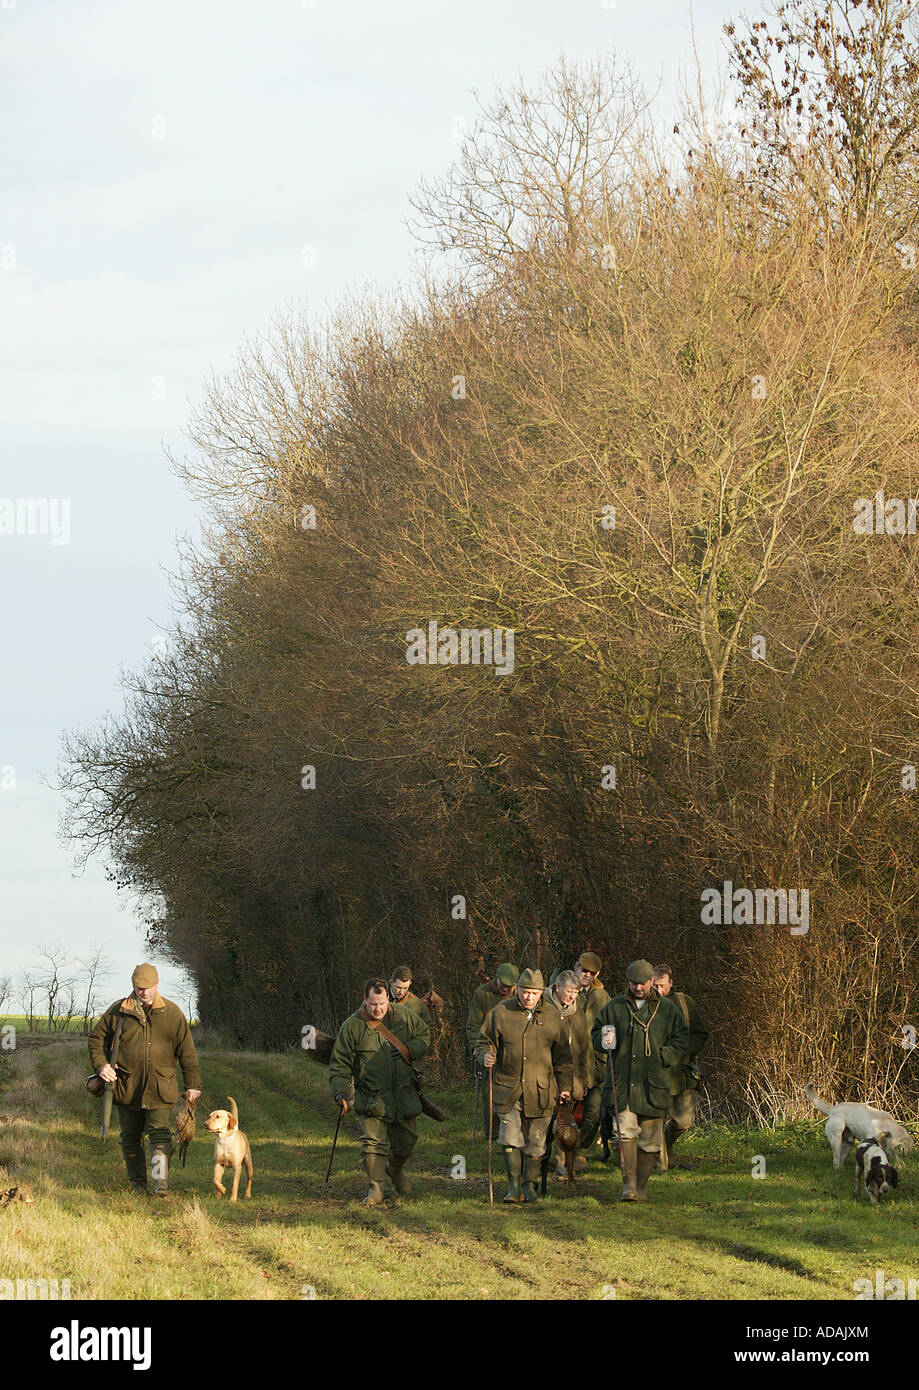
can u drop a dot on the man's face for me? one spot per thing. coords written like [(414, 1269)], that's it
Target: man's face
[(377, 1003), (663, 984), (587, 977), (145, 995), (503, 990), (640, 991), (529, 998), (399, 989), (566, 995)]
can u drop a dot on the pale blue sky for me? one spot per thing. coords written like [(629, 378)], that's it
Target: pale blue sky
[(163, 168)]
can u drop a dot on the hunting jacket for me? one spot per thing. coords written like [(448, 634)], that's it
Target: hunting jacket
[(152, 1041)]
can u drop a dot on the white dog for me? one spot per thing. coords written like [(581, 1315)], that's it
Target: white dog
[(850, 1123)]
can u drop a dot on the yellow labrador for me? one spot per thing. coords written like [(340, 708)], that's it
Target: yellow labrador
[(231, 1149)]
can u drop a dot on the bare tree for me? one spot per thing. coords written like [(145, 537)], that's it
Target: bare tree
[(96, 968)]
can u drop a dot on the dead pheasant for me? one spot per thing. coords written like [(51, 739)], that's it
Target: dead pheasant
[(185, 1127), (567, 1135)]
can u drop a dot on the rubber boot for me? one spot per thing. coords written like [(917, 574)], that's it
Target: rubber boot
[(159, 1167), (671, 1135), (531, 1175), (629, 1162), (644, 1169), (580, 1163), (375, 1168), (136, 1164), (513, 1165), (399, 1181)]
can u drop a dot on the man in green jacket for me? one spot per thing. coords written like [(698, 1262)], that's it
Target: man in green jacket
[(400, 992), (484, 999), (645, 1036), (524, 1045), (154, 1035), (683, 1078), (370, 1072), (592, 999)]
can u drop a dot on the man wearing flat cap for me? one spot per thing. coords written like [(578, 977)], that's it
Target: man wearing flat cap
[(484, 999), (153, 1035), (524, 1044), (646, 1036)]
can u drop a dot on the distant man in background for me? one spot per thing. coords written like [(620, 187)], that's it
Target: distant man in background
[(154, 1036), (484, 999), (684, 1078), (400, 991), (370, 1072), (591, 1000), (645, 1035)]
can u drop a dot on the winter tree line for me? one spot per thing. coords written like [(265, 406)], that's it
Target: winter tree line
[(625, 412)]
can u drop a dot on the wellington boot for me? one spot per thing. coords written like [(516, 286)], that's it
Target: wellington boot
[(644, 1169), (375, 1168), (531, 1175), (159, 1167), (580, 1163), (513, 1166), (629, 1162), (399, 1181), (136, 1165)]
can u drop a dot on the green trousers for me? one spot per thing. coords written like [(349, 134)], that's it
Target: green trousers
[(394, 1141), (136, 1123), (593, 1104)]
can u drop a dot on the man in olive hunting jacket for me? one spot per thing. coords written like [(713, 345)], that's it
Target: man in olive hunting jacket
[(370, 1072), (524, 1044), (646, 1037), (154, 1036)]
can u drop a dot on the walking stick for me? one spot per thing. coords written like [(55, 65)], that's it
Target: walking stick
[(475, 1098), (491, 1114), (612, 1084), (341, 1111)]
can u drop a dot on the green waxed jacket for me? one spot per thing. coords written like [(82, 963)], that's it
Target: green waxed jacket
[(480, 1006), (533, 1057), (642, 1081), (369, 1071), (681, 1078), (575, 1027), (151, 1044), (593, 1001), (414, 1005)]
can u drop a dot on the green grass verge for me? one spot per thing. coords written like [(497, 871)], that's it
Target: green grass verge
[(710, 1231)]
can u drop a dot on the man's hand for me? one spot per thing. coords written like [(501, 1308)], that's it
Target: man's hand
[(489, 1060), (608, 1037), (107, 1073), (564, 1095), (192, 1095), (343, 1103)]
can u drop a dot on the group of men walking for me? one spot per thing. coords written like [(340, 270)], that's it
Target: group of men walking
[(631, 1058), (628, 1061)]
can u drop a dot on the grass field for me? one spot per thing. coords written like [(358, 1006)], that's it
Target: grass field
[(710, 1230)]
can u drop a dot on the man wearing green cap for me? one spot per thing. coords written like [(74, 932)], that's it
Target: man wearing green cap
[(524, 1044), (484, 999), (645, 1036), (592, 999), (154, 1035)]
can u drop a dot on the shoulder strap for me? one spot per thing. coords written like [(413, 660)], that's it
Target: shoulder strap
[(379, 1026), (683, 1006), (119, 1024)]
